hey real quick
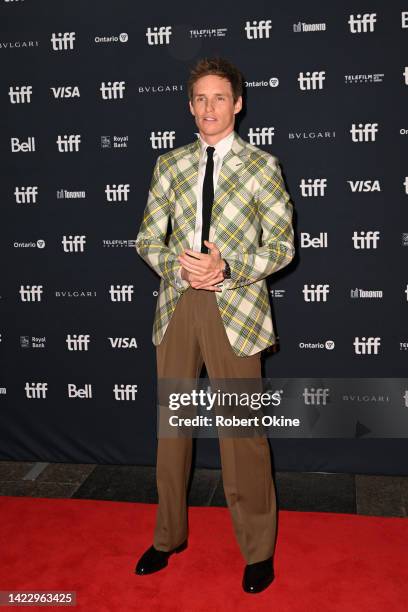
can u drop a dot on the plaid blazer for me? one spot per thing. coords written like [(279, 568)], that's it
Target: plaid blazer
[(251, 224)]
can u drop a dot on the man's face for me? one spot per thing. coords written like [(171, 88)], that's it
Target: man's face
[(213, 107)]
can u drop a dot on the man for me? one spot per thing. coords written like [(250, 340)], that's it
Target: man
[(231, 221)]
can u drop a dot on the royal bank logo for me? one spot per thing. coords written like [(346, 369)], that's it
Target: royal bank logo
[(367, 345), (62, 41), (117, 192), (158, 35), (277, 293), (256, 30), (313, 188), (31, 293), (68, 143), (365, 239), (261, 136), (26, 195), (363, 132), (114, 142), (34, 342), (112, 90), (162, 140), (77, 342), (73, 244), (20, 94), (311, 80), (362, 23)]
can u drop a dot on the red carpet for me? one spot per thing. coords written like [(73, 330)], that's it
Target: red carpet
[(323, 562)]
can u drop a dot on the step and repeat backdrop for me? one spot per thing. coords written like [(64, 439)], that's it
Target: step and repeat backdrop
[(91, 93)]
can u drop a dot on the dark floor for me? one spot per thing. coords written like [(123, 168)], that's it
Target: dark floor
[(355, 494)]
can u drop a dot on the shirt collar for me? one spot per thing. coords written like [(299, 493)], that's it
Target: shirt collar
[(222, 147)]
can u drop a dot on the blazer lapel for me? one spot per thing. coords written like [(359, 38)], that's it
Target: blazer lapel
[(233, 164)]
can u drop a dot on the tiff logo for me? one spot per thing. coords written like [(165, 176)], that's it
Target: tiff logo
[(68, 143), (362, 23), (26, 195), (367, 346), (311, 80), (261, 136), (117, 193), (121, 293), (20, 94), (315, 397), (313, 188), (73, 244), (158, 35), (62, 41), (363, 132), (124, 392), (77, 342), (258, 29), (315, 293), (366, 239), (162, 140), (112, 90), (36, 390), (31, 293)]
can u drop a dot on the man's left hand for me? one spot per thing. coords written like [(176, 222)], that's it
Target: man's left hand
[(206, 269)]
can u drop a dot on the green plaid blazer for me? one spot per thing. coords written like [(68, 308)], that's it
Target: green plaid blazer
[(251, 224)]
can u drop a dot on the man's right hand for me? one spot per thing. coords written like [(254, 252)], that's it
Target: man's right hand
[(191, 278)]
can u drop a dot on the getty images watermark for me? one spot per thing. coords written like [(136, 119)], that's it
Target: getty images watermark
[(284, 407)]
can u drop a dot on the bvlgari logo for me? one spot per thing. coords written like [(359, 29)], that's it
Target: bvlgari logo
[(160, 88)]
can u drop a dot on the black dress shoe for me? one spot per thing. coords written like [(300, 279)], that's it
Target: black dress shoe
[(257, 576), (154, 560)]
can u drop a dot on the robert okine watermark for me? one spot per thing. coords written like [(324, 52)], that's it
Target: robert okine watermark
[(282, 407)]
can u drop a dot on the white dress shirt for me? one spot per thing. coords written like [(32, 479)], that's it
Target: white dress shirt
[(221, 149)]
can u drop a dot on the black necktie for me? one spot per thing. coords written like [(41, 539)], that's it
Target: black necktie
[(208, 198)]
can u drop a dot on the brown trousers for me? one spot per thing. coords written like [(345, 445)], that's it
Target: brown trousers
[(196, 335)]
